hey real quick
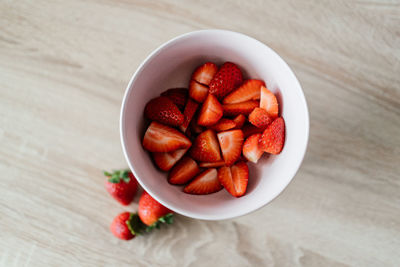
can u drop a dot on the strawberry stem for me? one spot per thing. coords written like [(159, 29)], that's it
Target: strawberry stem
[(117, 175)]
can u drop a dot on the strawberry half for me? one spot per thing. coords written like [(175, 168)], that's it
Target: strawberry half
[(252, 150), (212, 164), (205, 73), (225, 80), (234, 178), (206, 148), (231, 143), (166, 160), (239, 120), (184, 171), (177, 95), (198, 91), (223, 125), (188, 113), (260, 118), (205, 183), (273, 138), (163, 110), (269, 102), (161, 138), (211, 111), (249, 90), (250, 129), (244, 108)]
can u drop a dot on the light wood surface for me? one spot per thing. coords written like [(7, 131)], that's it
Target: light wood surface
[(64, 66)]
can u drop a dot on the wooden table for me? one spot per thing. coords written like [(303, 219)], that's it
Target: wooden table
[(64, 66)]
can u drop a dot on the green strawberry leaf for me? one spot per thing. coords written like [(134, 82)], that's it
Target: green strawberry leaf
[(135, 225), (118, 175)]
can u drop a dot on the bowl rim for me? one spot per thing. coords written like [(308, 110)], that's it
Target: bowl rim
[(122, 127)]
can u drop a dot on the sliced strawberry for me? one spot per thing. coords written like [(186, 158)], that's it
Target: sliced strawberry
[(161, 138), (231, 143), (249, 90), (196, 129), (166, 160), (177, 95), (183, 171), (212, 164), (259, 117), (239, 120), (188, 113), (223, 125), (225, 80), (250, 129), (269, 102), (163, 110), (244, 108), (234, 178), (206, 148), (205, 183), (211, 111), (252, 149), (198, 91), (273, 138), (205, 73)]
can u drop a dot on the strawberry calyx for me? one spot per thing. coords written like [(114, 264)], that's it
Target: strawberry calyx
[(137, 227), (166, 219), (116, 176)]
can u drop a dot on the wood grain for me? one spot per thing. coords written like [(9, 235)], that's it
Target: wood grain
[(64, 66)]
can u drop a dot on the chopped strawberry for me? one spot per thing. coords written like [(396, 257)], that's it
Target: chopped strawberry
[(188, 113), (163, 110), (161, 138), (184, 171), (231, 143), (206, 148), (244, 108), (177, 95), (234, 178), (273, 138), (205, 73), (259, 117), (269, 102), (166, 160), (250, 129), (239, 120), (252, 149), (211, 111), (205, 183), (223, 125), (225, 80), (249, 90), (212, 164), (198, 91), (196, 129)]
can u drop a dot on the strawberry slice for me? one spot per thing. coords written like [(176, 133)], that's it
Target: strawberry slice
[(211, 111), (163, 110), (225, 80), (205, 73), (273, 138), (166, 160), (244, 108), (249, 90), (239, 120), (188, 113), (212, 164), (252, 150), (177, 95), (250, 129), (223, 125), (184, 171), (260, 118), (205, 183), (198, 91), (269, 102), (206, 148), (161, 138), (231, 143), (196, 129), (234, 178)]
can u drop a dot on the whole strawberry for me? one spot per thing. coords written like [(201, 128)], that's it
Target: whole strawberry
[(152, 213), (121, 185), (225, 80), (120, 226), (163, 110)]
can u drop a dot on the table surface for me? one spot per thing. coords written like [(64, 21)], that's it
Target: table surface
[(64, 66)]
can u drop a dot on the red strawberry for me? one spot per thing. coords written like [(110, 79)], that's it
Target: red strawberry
[(120, 226), (151, 212), (166, 160), (205, 73), (239, 120), (121, 185), (231, 143), (184, 171), (198, 91), (249, 90), (225, 80), (205, 183), (223, 125), (244, 108), (177, 95), (273, 138), (205, 147), (212, 164), (196, 129), (161, 138), (250, 129), (269, 102), (259, 117), (211, 111), (252, 149), (163, 110), (234, 178), (188, 113)]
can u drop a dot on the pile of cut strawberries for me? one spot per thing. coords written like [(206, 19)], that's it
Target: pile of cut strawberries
[(205, 135)]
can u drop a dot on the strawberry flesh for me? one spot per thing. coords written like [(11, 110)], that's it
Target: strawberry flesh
[(166, 160), (252, 150), (205, 183), (269, 102), (239, 120), (206, 148), (212, 164), (260, 118), (244, 108), (211, 111), (161, 138), (198, 91), (184, 171), (205, 73), (188, 113), (235, 178), (223, 125), (231, 143), (249, 90), (163, 110)]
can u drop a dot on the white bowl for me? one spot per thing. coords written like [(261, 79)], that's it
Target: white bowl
[(171, 65)]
